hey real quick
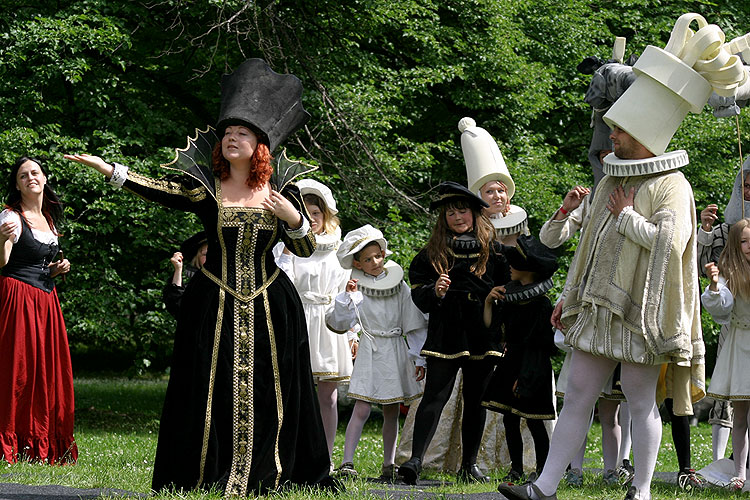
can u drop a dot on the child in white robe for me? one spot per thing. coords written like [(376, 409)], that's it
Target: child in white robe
[(378, 299)]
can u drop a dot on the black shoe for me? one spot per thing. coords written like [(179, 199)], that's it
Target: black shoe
[(410, 470), (470, 473), (632, 494), (520, 492), (513, 477)]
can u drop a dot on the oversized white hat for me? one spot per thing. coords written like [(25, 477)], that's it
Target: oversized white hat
[(483, 159), (311, 186), (356, 240), (674, 80)]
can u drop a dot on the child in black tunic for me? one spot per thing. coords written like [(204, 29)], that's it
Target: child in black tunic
[(522, 383)]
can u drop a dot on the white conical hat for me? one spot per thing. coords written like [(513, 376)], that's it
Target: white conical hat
[(675, 80), (311, 186), (483, 159)]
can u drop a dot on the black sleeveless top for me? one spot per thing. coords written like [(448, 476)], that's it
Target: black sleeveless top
[(29, 261)]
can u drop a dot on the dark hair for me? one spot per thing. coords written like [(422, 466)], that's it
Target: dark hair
[(358, 253), (52, 207), (438, 250)]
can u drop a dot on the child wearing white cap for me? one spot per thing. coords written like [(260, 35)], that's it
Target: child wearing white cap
[(379, 301), (318, 279)]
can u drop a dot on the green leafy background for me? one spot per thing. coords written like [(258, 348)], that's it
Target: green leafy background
[(386, 83)]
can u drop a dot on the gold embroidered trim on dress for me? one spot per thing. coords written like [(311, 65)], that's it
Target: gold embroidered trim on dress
[(462, 255), (462, 354), (324, 378), (211, 381), (494, 405), (241, 298), (405, 400), (169, 187)]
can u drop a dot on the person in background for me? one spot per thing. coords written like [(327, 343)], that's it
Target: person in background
[(186, 262), (318, 279), (36, 376)]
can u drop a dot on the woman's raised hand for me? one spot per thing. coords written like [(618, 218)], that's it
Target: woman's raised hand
[(283, 209), (92, 161), (176, 261)]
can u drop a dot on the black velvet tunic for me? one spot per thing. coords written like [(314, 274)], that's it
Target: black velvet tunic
[(240, 411), (529, 344), (456, 326)]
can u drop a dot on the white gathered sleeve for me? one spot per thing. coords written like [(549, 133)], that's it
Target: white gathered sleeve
[(10, 215), (285, 261), (119, 175), (705, 238), (720, 303), (343, 315), (556, 232), (636, 227)]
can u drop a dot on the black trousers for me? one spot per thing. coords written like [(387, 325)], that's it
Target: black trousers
[(441, 376)]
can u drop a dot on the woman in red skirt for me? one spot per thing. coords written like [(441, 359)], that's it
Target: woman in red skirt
[(36, 378)]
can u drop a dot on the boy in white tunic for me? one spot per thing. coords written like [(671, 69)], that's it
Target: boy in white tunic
[(378, 299)]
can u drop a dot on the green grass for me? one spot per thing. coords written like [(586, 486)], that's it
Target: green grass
[(117, 423)]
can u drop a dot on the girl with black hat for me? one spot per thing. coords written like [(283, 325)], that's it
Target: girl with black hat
[(450, 278)]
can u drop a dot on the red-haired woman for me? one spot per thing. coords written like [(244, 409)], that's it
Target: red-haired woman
[(240, 412)]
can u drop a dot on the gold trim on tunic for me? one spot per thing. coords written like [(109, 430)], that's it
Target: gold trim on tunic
[(404, 400), (494, 405), (462, 354)]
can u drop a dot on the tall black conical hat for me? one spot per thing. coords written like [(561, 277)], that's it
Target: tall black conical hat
[(268, 102)]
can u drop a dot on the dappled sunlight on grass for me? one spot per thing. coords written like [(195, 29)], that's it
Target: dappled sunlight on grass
[(117, 423)]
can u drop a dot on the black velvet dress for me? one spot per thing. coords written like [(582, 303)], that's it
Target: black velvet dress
[(529, 344), (456, 327), (240, 412)]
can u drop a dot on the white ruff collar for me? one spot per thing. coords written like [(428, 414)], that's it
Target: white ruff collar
[(388, 283), (514, 222), (328, 242), (617, 167)]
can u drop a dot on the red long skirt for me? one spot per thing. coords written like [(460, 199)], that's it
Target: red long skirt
[(36, 377)]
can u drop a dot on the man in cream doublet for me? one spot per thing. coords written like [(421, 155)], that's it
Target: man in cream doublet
[(632, 294)]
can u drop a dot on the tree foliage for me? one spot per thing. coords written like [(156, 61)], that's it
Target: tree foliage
[(386, 83)]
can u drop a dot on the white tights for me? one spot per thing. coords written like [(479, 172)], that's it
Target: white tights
[(610, 432), (739, 436), (719, 438), (360, 415), (328, 398), (587, 375), (625, 440)]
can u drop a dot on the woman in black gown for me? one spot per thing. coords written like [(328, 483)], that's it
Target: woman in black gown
[(240, 412)]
